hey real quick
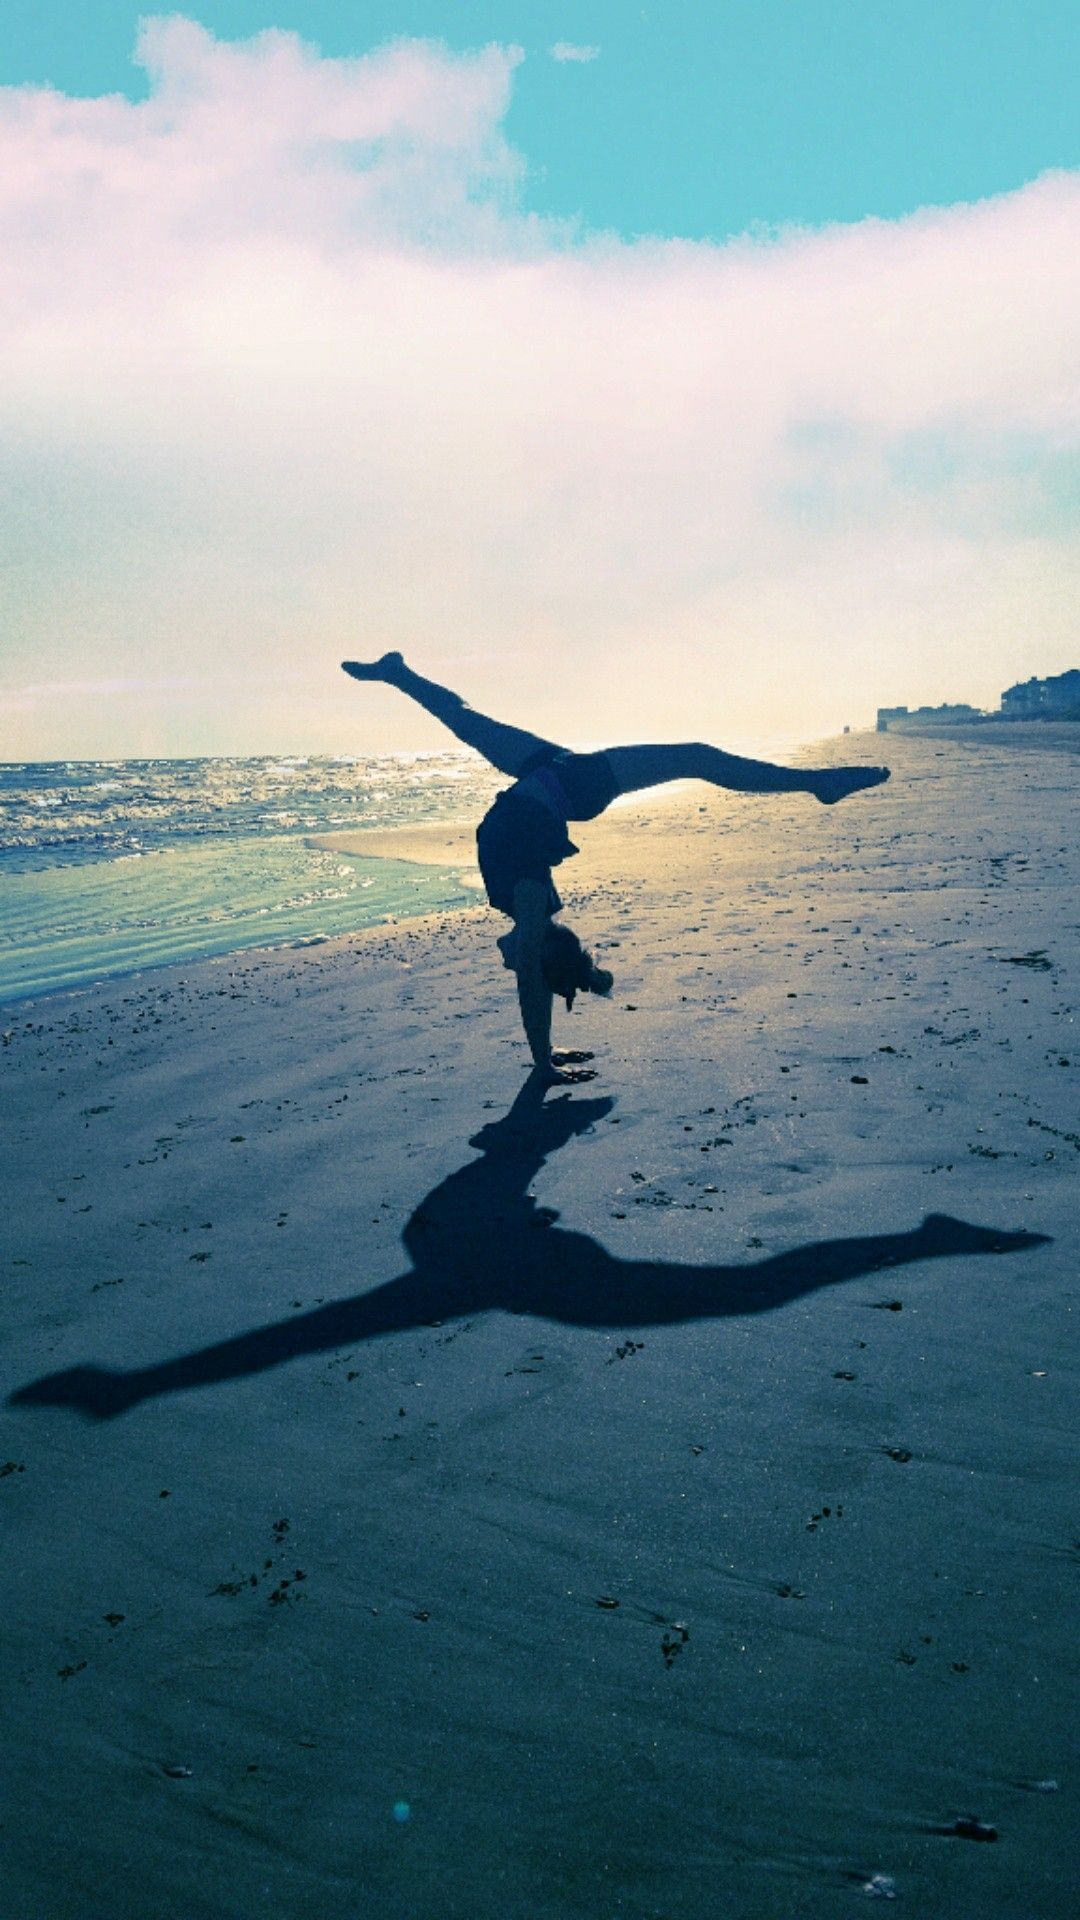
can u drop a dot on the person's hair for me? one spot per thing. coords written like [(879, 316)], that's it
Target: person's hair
[(568, 969)]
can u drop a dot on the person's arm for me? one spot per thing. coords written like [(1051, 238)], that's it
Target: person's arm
[(533, 917), (534, 995)]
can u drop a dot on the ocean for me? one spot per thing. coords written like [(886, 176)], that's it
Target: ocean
[(108, 867)]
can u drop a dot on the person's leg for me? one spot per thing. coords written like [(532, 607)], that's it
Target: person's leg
[(636, 767), (507, 748)]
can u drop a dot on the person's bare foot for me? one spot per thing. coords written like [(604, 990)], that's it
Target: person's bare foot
[(384, 669), (836, 783)]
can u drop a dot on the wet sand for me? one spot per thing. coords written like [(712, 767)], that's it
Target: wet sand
[(438, 845), (655, 1504)]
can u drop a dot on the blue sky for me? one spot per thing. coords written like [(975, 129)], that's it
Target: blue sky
[(693, 119), (721, 374)]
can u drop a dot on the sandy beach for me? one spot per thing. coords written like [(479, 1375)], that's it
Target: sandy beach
[(424, 1503)]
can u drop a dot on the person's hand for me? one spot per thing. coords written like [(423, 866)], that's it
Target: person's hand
[(556, 1076)]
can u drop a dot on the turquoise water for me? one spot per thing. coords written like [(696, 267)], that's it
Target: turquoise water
[(107, 869), (72, 925)]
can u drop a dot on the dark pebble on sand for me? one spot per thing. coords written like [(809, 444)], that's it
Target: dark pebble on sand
[(969, 1828), (673, 1643)]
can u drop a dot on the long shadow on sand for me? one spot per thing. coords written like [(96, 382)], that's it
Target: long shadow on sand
[(478, 1242)]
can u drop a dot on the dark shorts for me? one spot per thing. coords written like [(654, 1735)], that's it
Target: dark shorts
[(521, 839), (518, 839), (585, 778)]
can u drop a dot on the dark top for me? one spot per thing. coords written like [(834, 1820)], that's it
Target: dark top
[(523, 835)]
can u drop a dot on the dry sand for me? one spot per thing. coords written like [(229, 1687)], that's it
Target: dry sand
[(652, 1505)]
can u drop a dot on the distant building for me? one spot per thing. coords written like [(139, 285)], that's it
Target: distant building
[(1056, 698), (900, 717)]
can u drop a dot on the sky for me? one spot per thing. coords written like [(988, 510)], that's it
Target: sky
[(639, 371)]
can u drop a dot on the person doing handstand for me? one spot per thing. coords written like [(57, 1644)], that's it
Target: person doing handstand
[(524, 834)]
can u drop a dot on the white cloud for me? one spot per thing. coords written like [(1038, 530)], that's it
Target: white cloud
[(566, 50), (286, 374)]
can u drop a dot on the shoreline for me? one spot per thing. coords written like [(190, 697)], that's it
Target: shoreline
[(450, 846)]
